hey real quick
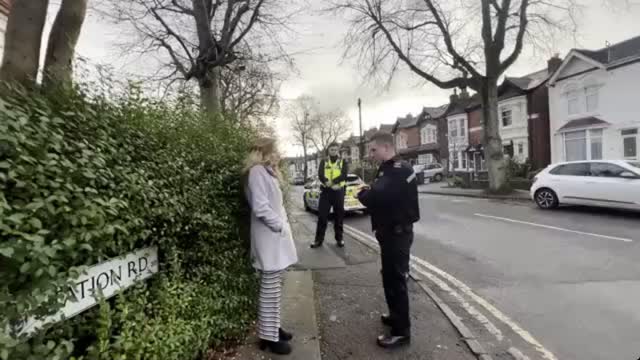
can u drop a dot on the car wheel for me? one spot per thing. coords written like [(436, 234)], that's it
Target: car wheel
[(546, 199), (438, 177)]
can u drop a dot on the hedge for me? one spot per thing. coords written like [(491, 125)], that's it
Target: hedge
[(85, 179)]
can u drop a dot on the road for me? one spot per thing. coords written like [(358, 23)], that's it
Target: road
[(569, 279)]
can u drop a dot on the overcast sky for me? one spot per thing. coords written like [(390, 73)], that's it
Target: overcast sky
[(321, 74)]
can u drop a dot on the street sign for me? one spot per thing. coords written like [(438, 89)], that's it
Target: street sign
[(105, 279)]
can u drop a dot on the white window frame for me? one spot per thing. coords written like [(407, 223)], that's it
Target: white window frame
[(635, 136), (402, 140), (591, 91), (588, 142), (573, 95), (423, 135), (462, 130), (453, 128), (432, 134), (509, 110)]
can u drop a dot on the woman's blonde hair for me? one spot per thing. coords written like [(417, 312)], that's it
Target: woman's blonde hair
[(264, 151)]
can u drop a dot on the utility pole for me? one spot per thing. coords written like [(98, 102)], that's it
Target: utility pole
[(361, 140), (304, 147)]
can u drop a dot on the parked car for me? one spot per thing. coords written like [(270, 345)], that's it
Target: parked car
[(602, 183), (297, 180), (311, 196), (434, 172)]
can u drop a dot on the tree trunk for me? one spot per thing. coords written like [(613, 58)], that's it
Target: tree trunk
[(210, 93), (23, 38), (496, 165), (64, 35), (304, 158)]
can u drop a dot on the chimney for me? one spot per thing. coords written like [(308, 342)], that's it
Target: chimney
[(454, 97), (554, 64), (464, 94)]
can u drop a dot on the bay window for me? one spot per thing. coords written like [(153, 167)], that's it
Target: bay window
[(583, 145)]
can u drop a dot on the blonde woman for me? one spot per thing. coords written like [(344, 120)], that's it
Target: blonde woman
[(272, 247)]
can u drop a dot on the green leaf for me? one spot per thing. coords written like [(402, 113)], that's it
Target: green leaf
[(7, 252), (25, 267), (17, 218), (51, 345), (36, 223), (4, 165)]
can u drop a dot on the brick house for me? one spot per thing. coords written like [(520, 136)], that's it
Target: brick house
[(523, 112), (432, 146), (406, 135), (475, 150)]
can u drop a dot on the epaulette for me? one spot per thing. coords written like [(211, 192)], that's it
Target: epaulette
[(397, 164)]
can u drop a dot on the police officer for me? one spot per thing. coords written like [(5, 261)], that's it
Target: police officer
[(392, 201), (333, 175)]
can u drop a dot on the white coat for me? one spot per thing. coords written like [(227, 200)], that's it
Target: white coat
[(272, 246)]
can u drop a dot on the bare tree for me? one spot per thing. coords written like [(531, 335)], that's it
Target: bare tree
[(453, 44), (249, 91), (302, 124), (22, 41), (200, 37), (328, 128), (63, 38)]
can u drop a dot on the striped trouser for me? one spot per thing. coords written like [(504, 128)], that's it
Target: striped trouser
[(269, 305)]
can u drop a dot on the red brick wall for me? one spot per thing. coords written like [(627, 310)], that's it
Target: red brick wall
[(413, 136)]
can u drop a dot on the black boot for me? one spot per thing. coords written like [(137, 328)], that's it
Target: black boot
[(284, 336), (340, 243), (276, 347), (392, 342), (316, 244)]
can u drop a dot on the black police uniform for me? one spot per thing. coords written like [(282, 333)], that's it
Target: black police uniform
[(392, 202), (330, 198)]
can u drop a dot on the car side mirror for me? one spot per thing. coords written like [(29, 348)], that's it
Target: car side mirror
[(629, 175)]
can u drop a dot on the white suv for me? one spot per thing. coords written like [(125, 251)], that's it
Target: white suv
[(434, 172), (603, 183)]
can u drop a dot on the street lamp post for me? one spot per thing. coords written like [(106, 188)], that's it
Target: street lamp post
[(361, 142)]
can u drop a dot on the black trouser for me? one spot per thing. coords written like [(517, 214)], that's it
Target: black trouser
[(328, 199), (395, 249)]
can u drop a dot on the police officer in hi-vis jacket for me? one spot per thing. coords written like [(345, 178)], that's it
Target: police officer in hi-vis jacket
[(333, 175)]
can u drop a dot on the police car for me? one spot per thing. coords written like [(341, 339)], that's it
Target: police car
[(311, 197)]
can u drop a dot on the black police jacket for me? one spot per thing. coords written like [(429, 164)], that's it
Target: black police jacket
[(392, 199)]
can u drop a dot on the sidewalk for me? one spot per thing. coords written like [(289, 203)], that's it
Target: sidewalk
[(442, 188), (346, 293)]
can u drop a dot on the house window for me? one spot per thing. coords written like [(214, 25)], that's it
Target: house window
[(507, 117), (463, 128), (573, 102), (453, 129), (428, 134), (630, 143), (454, 163), (425, 159), (592, 98), (520, 148), (583, 145), (432, 135), (463, 156), (402, 141)]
